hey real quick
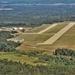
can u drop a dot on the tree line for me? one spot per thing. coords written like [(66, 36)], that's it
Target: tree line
[(64, 51)]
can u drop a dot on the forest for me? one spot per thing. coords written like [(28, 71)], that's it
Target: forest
[(35, 13), (56, 66)]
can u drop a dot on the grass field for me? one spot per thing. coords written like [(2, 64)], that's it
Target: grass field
[(67, 40), (57, 28), (18, 57), (31, 40), (39, 28)]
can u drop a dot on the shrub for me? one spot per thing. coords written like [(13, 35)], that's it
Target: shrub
[(63, 51)]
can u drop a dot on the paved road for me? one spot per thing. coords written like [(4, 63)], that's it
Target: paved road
[(46, 29), (58, 34)]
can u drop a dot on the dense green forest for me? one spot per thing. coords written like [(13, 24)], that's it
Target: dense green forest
[(36, 12), (7, 46), (56, 65)]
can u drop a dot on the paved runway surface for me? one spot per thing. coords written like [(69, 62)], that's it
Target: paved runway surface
[(58, 34), (46, 29)]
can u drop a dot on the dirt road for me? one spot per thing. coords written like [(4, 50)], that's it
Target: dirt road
[(58, 34)]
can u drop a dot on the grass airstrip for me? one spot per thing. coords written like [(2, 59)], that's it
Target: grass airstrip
[(31, 40)]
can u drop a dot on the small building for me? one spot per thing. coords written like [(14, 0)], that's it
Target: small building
[(19, 41), (15, 28), (21, 28), (16, 40)]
